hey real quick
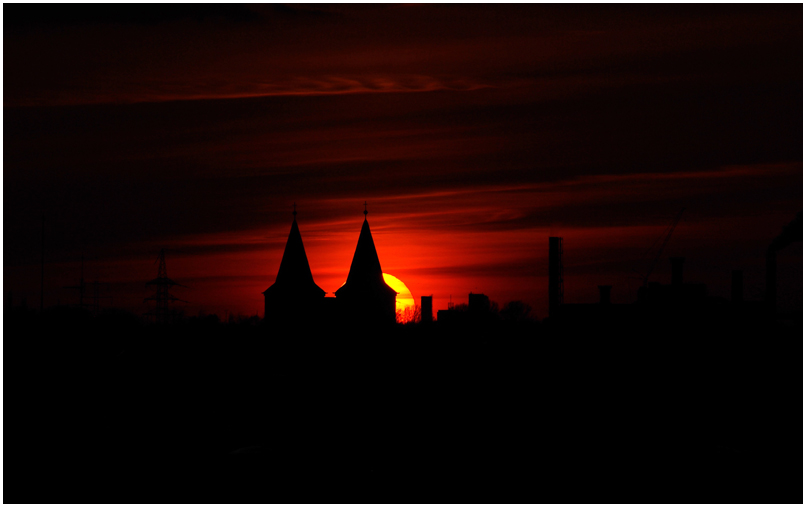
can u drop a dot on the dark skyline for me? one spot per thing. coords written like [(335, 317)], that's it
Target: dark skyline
[(474, 132)]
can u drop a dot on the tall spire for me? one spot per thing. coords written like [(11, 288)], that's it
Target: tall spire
[(294, 275), (366, 275)]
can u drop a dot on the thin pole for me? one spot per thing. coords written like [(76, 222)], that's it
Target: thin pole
[(42, 274), (81, 285)]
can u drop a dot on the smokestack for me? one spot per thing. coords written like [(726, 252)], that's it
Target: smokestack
[(772, 268), (604, 294), (677, 270), (555, 274), (42, 273), (736, 286), (426, 309)]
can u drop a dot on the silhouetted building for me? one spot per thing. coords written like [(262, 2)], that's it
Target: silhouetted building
[(791, 233), (477, 310), (478, 304), (449, 315), (575, 314), (331, 308), (453, 315), (675, 294), (555, 274), (365, 297), (426, 309), (294, 295), (578, 314), (677, 302)]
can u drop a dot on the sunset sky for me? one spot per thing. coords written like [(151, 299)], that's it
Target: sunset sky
[(473, 132)]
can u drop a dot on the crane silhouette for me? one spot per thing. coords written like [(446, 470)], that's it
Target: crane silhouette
[(669, 232)]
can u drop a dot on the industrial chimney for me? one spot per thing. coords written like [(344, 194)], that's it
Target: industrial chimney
[(677, 270), (555, 274), (604, 294), (736, 286), (771, 272)]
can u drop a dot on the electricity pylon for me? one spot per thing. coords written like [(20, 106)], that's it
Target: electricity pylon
[(163, 298)]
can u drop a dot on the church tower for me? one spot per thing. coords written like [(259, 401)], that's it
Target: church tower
[(294, 295), (365, 297)]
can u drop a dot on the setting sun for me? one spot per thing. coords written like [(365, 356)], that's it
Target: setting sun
[(404, 303)]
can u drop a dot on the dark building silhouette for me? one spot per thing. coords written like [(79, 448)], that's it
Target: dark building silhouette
[(294, 295), (452, 315), (478, 304), (426, 309), (791, 233), (675, 294), (365, 297), (578, 314), (477, 310), (555, 274), (678, 301), (446, 315)]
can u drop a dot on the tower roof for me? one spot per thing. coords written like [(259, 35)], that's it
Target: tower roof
[(295, 275), (365, 274)]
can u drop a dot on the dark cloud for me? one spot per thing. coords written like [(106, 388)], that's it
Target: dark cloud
[(27, 16)]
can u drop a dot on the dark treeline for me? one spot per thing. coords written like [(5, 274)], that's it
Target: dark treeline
[(107, 409)]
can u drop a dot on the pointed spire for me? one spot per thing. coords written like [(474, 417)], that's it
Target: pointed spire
[(366, 264), (294, 275), (365, 274)]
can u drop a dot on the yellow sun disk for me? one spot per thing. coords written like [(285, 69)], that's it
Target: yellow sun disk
[(404, 298)]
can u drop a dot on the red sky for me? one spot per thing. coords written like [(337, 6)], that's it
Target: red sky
[(473, 132)]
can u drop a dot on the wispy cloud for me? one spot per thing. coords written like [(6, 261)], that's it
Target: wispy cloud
[(166, 91), (474, 132)]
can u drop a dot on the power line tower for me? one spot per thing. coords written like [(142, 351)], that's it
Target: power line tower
[(162, 313), (96, 296), (81, 287)]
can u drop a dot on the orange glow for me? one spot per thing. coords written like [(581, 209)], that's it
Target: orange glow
[(448, 243)]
